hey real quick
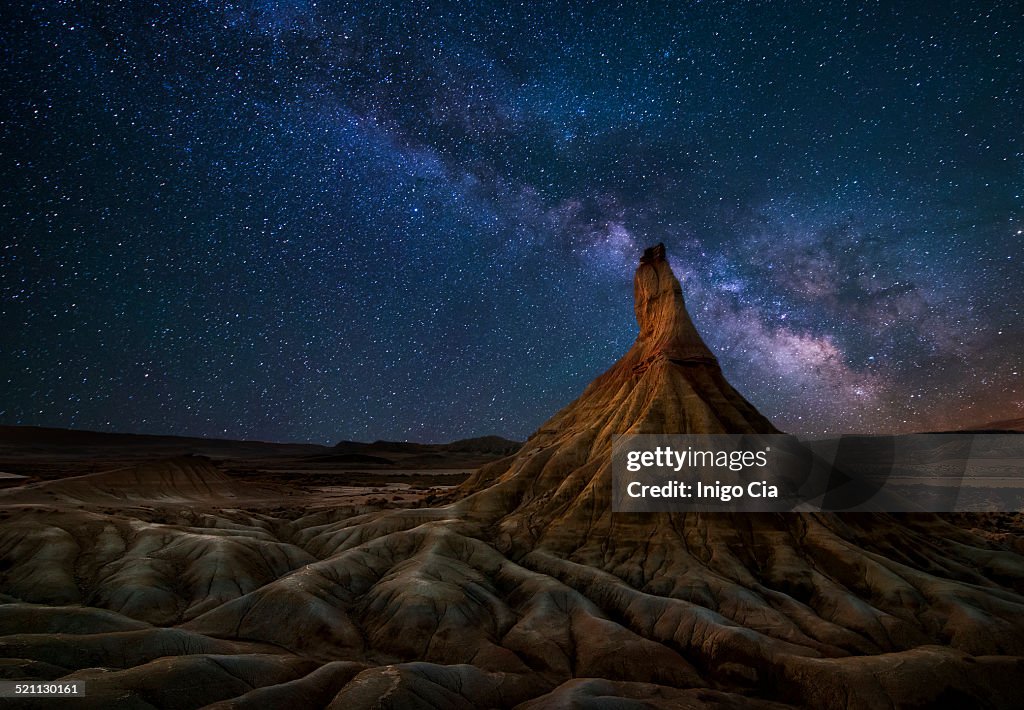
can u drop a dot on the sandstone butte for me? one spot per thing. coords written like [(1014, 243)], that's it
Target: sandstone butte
[(522, 588)]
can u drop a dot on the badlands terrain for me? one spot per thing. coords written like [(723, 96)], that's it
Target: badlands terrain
[(176, 573)]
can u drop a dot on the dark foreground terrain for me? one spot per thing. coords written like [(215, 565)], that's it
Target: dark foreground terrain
[(270, 579)]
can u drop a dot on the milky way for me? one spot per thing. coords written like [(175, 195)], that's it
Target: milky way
[(317, 220)]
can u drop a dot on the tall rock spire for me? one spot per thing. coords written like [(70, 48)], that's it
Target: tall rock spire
[(559, 484), (665, 326)]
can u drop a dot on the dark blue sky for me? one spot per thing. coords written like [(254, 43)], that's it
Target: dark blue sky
[(326, 220)]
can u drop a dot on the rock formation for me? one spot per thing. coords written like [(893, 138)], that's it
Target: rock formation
[(523, 589), (184, 479), (559, 485)]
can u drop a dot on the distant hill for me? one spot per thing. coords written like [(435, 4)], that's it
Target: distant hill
[(18, 442), (485, 444), (1001, 425), (27, 439), (478, 445)]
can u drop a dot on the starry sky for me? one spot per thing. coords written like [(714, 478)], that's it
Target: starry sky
[(314, 221)]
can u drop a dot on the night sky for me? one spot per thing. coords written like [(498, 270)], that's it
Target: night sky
[(323, 220)]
